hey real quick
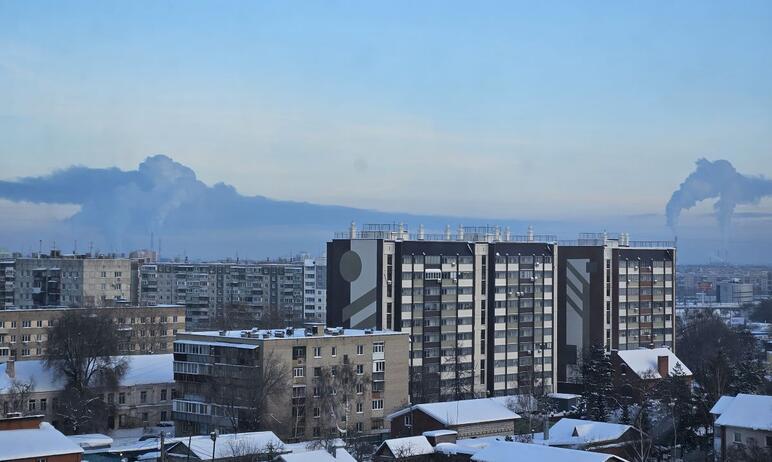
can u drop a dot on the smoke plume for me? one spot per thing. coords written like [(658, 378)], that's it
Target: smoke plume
[(718, 179)]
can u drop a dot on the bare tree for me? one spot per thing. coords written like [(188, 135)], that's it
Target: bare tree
[(462, 385), (243, 396), (18, 395), (338, 386), (83, 348), (235, 316)]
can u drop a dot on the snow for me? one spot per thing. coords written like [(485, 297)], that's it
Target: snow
[(409, 445), (319, 455), (644, 361), (246, 346), (721, 405), (92, 440), (463, 412), (454, 449), (582, 432), (436, 433), (232, 444), (506, 451), (298, 332), (45, 441), (142, 370), (747, 411), (563, 396)]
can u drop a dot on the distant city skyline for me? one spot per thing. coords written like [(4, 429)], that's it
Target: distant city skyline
[(591, 114)]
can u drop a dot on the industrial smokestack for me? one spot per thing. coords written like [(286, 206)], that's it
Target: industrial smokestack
[(718, 179)]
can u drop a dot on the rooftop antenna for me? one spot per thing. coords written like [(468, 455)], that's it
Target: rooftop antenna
[(75, 247), (40, 248)]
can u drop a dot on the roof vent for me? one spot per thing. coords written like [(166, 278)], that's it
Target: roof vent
[(368, 331)]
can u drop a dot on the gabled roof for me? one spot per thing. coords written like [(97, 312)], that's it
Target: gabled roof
[(407, 446), (747, 411), (644, 362), (45, 441), (721, 405), (464, 412), (142, 370), (578, 432), (232, 444), (320, 455), (507, 451)]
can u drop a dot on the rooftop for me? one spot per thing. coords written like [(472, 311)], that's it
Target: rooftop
[(578, 432), (482, 233), (744, 411), (286, 333), (232, 444), (44, 441), (506, 451), (409, 446), (644, 362), (143, 369), (463, 412)]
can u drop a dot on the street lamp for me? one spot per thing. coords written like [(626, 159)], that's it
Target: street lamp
[(213, 435)]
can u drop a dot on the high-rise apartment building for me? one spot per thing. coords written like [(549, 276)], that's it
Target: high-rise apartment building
[(7, 280), (478, 304), (208, 289), (734, 291), (613, 292), (71, 280), (218, 373), (315, 289)]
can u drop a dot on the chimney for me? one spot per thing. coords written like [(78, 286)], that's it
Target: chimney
[(420, 232), (10, 368), (663, 366)]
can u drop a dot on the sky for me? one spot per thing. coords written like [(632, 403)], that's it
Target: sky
[(517, 110)]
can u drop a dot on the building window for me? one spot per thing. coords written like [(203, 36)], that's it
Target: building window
[(738, 437), (317, 413), (334, 351), (317, 372), (379, 366), (378, 347), (360, 388), (360, 408), (111, 398), (43, 404), (143, 397), (298, 352), (360, 349), (32, 405), (144, 417), (409, 420), (163, 395), (298, 372), (121, 398), (359, 427), (377, 404), (163, 416), (360, 369), (317, 352)]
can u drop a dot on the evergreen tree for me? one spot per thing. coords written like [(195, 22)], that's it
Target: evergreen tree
[(598, 384)]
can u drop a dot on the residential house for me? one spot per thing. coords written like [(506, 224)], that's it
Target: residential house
[(742, 422), (29, 439)]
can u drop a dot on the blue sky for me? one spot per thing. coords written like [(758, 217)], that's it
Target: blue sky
[(525, 109)]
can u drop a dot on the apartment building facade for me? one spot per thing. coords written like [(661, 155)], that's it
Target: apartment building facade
[(478, 305), (142, 398), (616, 293), (7, 282), (71, 280), (143, 330), (208, 289), (203, 359), (315, 289)]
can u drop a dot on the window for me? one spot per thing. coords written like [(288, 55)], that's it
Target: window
[(360, 388), (317, 413), (144, 417), (738, 437), (111, 398), (334, 351), (43, 404), (360, 369), (359, 427), (409, 420), (27, 323), (298, 352), (299, 372), (143, 397), (379, 366), (121, 398), (317, 372), (317, 352), (377, 404), (360, 349), (32, 405), (769, 441), (163, 395), (163, 416), (360, 407), (378, 347)]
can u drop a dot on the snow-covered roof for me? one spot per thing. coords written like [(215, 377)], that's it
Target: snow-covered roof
[(747, 411), (298, 332), (45, 441), (464, 412), (142, 370), (582, 432), (408, 446), (563, 395), (232, 444), (721, 405), (644, 361), (318, 455), (246, 346), (92, 440), (436, 433), (507, 451)]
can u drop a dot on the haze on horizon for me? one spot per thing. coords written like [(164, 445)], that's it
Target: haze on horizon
[(507, 110)]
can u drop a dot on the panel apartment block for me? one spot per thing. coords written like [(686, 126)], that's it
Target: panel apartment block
[(478, 304), (616, 293)]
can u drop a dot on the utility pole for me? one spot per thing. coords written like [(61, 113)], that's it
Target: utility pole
[(163, 452), (213, 436)]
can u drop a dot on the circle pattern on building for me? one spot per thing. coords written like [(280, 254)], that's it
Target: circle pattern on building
[(350, 266)]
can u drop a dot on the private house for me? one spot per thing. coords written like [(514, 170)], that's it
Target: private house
[(29, 439), (742, 422), (647, 366), (469, 418), (588, 435)]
